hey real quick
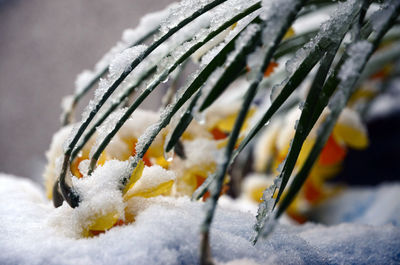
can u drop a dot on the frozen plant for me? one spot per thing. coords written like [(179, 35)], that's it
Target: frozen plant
[(241, 42)]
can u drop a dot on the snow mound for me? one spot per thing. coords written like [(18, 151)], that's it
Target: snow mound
[(371, 205), (166, 232)]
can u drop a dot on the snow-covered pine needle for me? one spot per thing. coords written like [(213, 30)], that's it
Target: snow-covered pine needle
[(272, 34), (348, 14), (349, 74), (185, 52), (148, 26), (67, 191)]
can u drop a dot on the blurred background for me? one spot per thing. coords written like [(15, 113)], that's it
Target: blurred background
[(44, 44)]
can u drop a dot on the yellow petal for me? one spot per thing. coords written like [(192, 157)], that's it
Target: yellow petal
[(360, 94), (265, 150), (305, 151), (104, 222), (152, 191), (222, 143), (351, 130), (289, 33), (325, 172), (162, 162), (257, 193), (351, 136), (136, 174), (226, 124)]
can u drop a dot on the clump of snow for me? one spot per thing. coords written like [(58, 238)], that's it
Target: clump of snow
[(358, 53), (180, 12), (165, 231), (369, 205), (82, 80), (121, 62), (67, 103), (386, 103), (148, 21), (149, 134), (349, 73), (311, 21), (144, 118), (55, 151), (200, 151), (100, 194)]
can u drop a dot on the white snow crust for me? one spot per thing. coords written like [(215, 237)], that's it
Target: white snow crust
[(166, 232)]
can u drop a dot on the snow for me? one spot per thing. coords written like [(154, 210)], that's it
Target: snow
[(121, 62), (67, 103), (349, 73), (148, 21), (311, 21), (165, 231), (330, 30), (199, 152), (196, 32), (358, 53), (379, 18), (366, 207), (82, 80), (100, 194), (55, 151), (148, 136), (106, 128), (387, 103)]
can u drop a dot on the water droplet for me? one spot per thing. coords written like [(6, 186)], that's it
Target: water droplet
[(169, 156), (165, 80), (200, 117)]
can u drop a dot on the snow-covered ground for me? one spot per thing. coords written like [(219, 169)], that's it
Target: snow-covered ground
[(166, 232)]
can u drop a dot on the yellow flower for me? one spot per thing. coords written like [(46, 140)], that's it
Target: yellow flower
[(153, 176), (273, 146), (145, 182)]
